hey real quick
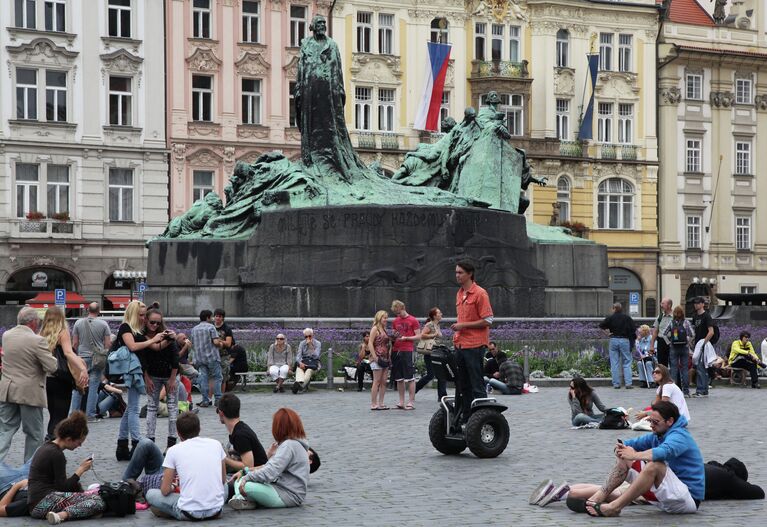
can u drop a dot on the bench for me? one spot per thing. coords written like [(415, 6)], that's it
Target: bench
[(249, 378), (739, 376)]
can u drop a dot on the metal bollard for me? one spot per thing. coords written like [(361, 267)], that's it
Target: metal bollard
[(330, 371), (526, 367)]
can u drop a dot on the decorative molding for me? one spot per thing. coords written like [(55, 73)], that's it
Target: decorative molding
[(617, 83), (671, 95), (252, 63), (204, 158), (291, 63), (252, 131), (292, 134), (760, 101), (544, 28), (121, 62), (722, 99), (42, 51), (204, 60), (564, 82), (450, 74), (202, 129), (250, 156), (378, 69)]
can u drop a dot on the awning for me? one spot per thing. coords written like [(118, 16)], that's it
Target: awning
[(46, 299), (118, 301)]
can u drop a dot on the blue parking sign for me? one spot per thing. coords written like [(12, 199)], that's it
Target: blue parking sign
[(60, 297), (142, 287), (634, 298)]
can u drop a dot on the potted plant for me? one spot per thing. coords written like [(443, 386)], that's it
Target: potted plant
[(35, 215), (60, 216)]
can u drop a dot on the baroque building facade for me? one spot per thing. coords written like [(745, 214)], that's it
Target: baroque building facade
[(84, 165), (712, 83)]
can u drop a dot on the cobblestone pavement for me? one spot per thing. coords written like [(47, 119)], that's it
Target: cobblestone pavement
[(378, 468)]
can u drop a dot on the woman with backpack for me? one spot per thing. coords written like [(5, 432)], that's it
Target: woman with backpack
[(680, 335), (582, 399)]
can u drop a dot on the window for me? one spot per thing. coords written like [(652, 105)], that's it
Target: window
[(202, 183), (563, 198), (625, 123), (480, 29), (250, 21), (693, 232), (292, 103), (251, 101), (55, 15), (743, 90), (297, 24), (120, 194), (563, 46), (743, 157), (694, 84), (25, 13), (58, 189), (362, 104), (605, 51), (386, 110), (439, 30), (514, 43), (56, 96), (743, 233), (119, 18), (385, 34), (605, 122), (496, 44), (201, 18), (624, 52), (202, 97), (26, 94), (615, 204), (513, 106), (364, 31), (26, 189), (444, 107), (693, 156), (748, 290), (120, 98), (563, 119)]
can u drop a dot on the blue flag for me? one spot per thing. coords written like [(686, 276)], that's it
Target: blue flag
[(587, 127)]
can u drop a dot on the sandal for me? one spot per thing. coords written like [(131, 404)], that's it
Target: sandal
[(597, 509), (374, 408), (384, 407), (400, 407), (409, 406)]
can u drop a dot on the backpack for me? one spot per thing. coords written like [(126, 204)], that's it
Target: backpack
[(614, 420), (715, 336), (120, 498), (678, 332)]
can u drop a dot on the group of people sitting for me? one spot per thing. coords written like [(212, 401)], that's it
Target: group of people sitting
[(192, 481), (281, 362)]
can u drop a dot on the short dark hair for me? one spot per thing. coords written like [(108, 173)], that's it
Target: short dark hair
[(188, 425), (698, 300), (467, 266), (667, 410), (205, 315), (73, 427), (494, 343), (744, 333), (315, 463), (365, 333), (219, 311), (229, 405)]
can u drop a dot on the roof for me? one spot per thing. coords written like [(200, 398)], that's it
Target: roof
[(689, 12)]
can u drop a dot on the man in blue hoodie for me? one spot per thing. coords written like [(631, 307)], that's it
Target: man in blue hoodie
[(664, 467)]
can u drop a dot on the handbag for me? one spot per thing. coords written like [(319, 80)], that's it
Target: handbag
[(425, 346), (62, 372), (382, 363)]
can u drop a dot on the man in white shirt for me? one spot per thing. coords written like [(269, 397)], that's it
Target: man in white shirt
[(198, 465)]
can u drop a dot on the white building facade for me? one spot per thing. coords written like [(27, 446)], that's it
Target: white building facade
[(83, 170)]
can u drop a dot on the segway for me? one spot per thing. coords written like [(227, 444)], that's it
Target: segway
[(486, 431)]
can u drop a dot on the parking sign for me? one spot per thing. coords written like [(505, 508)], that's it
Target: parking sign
[(633, 303), (60, 297), (142, 287)]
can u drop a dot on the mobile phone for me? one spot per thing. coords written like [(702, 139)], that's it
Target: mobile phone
[(620, 441), (90, 457)]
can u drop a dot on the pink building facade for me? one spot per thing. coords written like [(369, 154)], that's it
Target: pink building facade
[(231, 67)]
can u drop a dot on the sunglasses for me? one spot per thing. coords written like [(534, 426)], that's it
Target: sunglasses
[(653, 422), (657, 371), (309, 337), (154, 322), (280, 338)]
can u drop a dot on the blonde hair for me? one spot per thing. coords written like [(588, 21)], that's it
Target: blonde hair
[(53, 324), (644, 329), (131, 316), (379, 317), (397, 305)]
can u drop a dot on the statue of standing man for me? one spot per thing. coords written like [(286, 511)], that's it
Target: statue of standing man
[(320, 98)]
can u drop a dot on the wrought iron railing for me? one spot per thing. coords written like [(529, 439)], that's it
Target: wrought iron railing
[(500, 68), (366, 140), (571, 148)]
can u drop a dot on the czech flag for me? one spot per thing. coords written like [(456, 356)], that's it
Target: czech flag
[(427, 117)]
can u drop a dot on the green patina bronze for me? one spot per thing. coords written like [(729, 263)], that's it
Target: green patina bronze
[(472, 165)]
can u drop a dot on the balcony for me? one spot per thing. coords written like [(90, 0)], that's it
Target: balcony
[(608, 151), (629, 152), (389, 141), (366, 140), (571, 148), (621, 152), (499, 68), (44, 228)]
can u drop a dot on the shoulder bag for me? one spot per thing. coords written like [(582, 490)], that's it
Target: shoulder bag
[(62, 372), (99, 360)]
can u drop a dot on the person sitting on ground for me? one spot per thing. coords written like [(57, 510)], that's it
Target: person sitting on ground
[(53, 496), (279, 360), (13, 502), (510, 380), (282, 481), (198, 462), (494, 358), (364, 358), (245, 450), (645, 356), (307, 361), (743, 355), (667, 391), (582, 399), (729, 481), (665, 467), (184, 365)]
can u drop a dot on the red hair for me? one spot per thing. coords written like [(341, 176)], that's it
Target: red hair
[(286, 424)]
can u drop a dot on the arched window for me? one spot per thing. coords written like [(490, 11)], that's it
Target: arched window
[(616, 204), (563, 48), (563, 198), (439, 30)]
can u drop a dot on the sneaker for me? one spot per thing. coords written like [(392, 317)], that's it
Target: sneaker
[(296, 387), (687, 395), (53, 518), (555, 494), (541, 491), (697, 395), (94, 418), (488, 388), (617, 387), (241, 504), (629, 387), (203, 404)]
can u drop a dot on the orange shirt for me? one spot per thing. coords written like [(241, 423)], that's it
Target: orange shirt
[(470, 306)]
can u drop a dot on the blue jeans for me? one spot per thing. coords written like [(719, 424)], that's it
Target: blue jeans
[(498, 385), (679, 363), (146, 458), (472, 382), (701, 376), (620, 360), (169, 505), (129, 422), (94, 379), (583, 419), (212, 371)]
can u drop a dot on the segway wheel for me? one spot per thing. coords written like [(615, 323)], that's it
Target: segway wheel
[(437, 428), (487, 433)]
